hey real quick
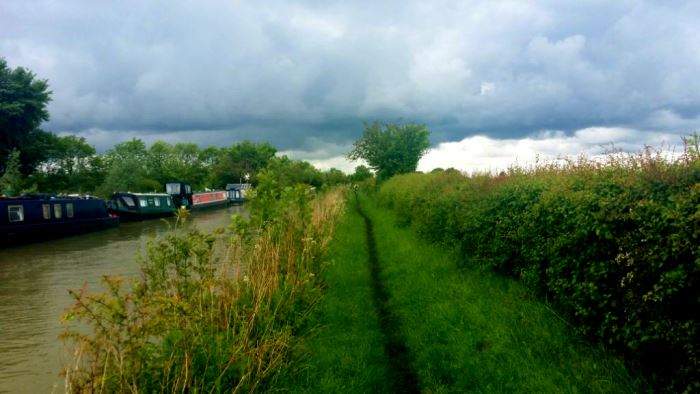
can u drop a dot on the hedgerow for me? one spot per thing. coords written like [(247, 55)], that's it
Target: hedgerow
[(615, 246)]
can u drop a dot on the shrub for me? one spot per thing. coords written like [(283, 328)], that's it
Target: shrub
[(615, 246)]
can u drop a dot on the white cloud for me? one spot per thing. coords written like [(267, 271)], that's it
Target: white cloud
[(485, 154)]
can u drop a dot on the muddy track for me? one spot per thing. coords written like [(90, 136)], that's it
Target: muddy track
[(403, 377)]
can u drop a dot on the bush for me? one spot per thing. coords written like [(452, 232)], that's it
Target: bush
[(615, 246)]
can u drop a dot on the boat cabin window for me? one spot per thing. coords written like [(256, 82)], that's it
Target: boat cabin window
[(57, 213), (69, 209), (188, 189), (15, 213), (172, 188), (167, 201), (129, 201), (142, 202), (157, 201), (46, 209)]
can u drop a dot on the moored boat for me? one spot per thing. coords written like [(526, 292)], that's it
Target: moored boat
[(141, 206), (182, 195), (37, 217), (237, 192)]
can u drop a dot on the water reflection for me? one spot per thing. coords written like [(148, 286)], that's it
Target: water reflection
[(34, 283)]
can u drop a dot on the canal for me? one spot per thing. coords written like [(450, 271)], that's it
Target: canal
[(34, 284)]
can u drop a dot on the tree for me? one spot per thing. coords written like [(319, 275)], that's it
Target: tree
[(362, 173), (11, 180), (391, 149), (127, 169), (290, 172), (23, 100), (240, 159), (71, 166), (334, 177)]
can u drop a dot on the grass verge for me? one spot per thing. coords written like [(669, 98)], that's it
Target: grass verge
[(344, 353), (466, 331)]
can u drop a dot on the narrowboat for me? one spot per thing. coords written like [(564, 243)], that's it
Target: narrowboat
[(140, 206), (36, 217), (237, 192), (182, 195)]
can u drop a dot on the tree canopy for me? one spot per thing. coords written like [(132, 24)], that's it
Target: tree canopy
[(240, 159), (23, 101), (391, 149)]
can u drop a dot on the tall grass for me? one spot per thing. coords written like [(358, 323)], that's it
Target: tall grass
[(614, 245), (209, 312)]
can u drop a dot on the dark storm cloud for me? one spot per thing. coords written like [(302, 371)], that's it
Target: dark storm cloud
[(295, 73)]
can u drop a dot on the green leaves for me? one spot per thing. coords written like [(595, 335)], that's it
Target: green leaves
[(616, 247), (23, 101), (391, 149)]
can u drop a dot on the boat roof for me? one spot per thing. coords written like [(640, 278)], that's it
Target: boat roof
[(145, 194), (37, 196)]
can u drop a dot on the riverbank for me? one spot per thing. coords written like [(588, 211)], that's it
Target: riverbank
[(460, 330), (208, 312), (34, 280)]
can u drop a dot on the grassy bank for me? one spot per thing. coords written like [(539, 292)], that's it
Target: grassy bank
[(464, 331), (209, 312)]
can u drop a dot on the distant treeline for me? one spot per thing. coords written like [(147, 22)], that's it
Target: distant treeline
[(614, 246), (70, 165)]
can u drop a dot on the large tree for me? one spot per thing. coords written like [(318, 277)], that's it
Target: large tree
[(127, 164), (391, 149), (23, 100), (71, 166), (240, 159)]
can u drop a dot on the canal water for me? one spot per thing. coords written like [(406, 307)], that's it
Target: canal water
[(34, 284)]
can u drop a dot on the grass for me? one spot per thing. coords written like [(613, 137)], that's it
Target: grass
[(465, 330), (344, 353)]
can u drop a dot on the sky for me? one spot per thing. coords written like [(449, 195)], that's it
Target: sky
[(497, 82)]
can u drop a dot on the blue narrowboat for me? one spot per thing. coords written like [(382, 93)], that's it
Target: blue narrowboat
[(37, 217)]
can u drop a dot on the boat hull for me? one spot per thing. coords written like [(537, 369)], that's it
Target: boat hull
[(209, 199), (131, 207), (24, 220)]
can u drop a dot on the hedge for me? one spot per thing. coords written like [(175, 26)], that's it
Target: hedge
[(614, 246)]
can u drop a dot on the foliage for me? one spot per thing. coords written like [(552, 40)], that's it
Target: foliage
[(71, 166), (466, 331), (288, 172), (615, 246), (127, 169), (391, 149), (11, 180), (361, 174), (245, 158), (211, 312), (333, 177), (23, 101)]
